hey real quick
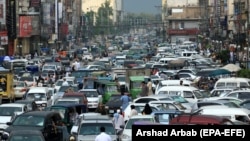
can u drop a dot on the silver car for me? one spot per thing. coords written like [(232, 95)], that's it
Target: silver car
[(90, 128)]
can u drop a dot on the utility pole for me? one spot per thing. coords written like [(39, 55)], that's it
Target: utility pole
[(247, 33)]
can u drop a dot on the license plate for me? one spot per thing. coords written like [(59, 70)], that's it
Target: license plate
[(111, 111)]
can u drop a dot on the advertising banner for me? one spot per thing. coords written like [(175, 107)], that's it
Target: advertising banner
[(2, 11), (25, 26)]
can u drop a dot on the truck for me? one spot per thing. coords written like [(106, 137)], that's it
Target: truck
[(6, 85)]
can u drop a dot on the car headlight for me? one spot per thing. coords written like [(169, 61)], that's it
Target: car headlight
[(124, 136), (44, 105)]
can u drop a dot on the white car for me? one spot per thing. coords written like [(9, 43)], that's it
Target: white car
[(93, 97), (173, 105), (59, 83), (8, 112), (20, 88), (87, 56), (138, 107), (127, 131)]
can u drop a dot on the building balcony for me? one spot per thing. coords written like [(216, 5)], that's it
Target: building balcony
[(187, 31)]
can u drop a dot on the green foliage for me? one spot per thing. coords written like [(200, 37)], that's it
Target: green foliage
[(244, 73), (104, 23), (223, 56)]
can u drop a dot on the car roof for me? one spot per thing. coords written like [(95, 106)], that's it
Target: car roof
[(168, 111), (12, 105), (214, 101), (141, 116), (24, 101), (26, 132), (198, 119), (100, 117), (87, 90), (40, 113)]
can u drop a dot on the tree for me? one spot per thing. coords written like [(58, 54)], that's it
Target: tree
[(104, 22)]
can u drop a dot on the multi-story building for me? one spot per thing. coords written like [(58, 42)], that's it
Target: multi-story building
[(182, 19), (38, 25)]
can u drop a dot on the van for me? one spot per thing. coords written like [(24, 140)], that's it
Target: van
[(190, 93), (166, 60), (234, 114), (172, 83), (41, 95), (233, 82)]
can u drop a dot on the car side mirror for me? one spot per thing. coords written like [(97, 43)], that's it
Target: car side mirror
[(9, 123)]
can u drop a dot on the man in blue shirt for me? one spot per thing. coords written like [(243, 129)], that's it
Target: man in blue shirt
[(125, 101)]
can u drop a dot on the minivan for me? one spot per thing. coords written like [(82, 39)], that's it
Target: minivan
[(190, 93), (233, 82)]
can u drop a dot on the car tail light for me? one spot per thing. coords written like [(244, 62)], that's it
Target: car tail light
[(23, 90)]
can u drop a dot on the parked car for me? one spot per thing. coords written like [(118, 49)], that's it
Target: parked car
[(90, 128), (113, 104), (20, 88), (94, 99), (43, 121), (127, 129), (8, 112), (26, 135), (31, 104)]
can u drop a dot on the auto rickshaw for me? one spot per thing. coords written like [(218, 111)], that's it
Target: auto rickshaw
[(135, 85), (109, 88), (65, 110)]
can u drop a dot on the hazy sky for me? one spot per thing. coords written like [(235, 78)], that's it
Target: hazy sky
[(142, 6)]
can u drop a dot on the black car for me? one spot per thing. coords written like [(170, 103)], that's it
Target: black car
[(31, 104), (113, 104), (45, 121), (26, 135)]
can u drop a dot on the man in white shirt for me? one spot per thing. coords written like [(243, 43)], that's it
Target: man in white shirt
[(65, 83), (133, 111), (103, 136), (118, 120)]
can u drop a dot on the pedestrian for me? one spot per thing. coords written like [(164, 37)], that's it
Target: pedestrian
[(133, 111), (125, 101), (118, 120), (149, 85), (147, 110), (144, 89), (65, 83), (103, 136)]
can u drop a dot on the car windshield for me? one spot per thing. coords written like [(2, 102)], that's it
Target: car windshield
[(90, 93), (64, 88), (46, 67), (19, 84), (132, 121), (60, 82), (9, 111), (94, 128), (36, 96), (28, 120), (121, 78), (198, 94), (26, 79), (26, 138), (164, 118), (67, 102), (111, 88), (179, 99)]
